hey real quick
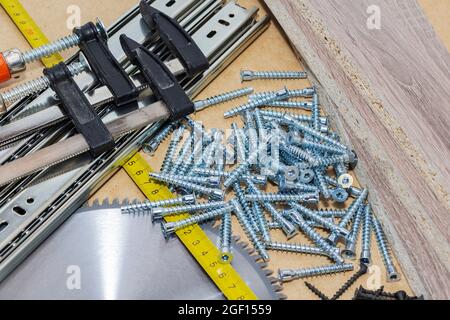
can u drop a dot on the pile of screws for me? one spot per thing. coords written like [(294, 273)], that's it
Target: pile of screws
[(296, 153)]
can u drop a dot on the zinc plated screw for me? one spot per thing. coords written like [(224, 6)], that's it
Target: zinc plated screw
[(290, 185), (149, 205), (320, 180), (151, 146), (298, 117), (319, 219), (228, 96), (279, 95), (300, 153), (392, 274), (290, 104), (213, 193), (339, 195), (161, 212), (287, 227), (332, 252), (315, 112), (295, 248), (366, 235), (297, 93), (310, 131), (182, 155), (168, 158), (248, 75), (257, 179), (29, 88), (262, 222), (352, 210), (240, 196), (226, 255), (239, 143), (317, 146), (281, 197), (350, 246), (290, 274), (354, 192), (171, 227), (327, 213), (249, 231)]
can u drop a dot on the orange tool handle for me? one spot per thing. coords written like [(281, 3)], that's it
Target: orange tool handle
[(5, 75)]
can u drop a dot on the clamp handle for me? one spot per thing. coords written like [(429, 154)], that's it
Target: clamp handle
[(163, 83), (105, 66), (86, 120), (176, 38)]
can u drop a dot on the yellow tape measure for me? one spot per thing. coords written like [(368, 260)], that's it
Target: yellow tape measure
[(29, 29), (195, 240)]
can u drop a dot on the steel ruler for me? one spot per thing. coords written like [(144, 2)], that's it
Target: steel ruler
[(29, 29), (195, 240)]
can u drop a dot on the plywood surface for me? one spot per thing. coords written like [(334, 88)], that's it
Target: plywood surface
[(271, 51), (389, 90)]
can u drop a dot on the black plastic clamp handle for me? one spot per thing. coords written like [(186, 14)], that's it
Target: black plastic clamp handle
[(107, 69), (176, 38), (163, 83), (86, 120)]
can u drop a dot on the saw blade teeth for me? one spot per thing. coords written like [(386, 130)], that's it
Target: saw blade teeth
[(263, 264), (277, 287), (268, 272), (282, 296), (96, 203), (236, 238), (116, 202), (273, 279)]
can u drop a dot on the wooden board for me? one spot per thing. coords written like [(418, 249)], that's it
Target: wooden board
[(389, 90), (276, 55)]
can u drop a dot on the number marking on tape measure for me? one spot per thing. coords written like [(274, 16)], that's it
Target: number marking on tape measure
[(196, 241), (29, 29)]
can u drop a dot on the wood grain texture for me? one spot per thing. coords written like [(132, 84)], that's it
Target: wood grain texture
[(389, 90)]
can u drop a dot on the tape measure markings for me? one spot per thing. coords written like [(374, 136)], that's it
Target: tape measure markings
[(196, 241), (29, 29)]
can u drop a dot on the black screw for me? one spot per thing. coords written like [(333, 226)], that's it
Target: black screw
[(380, 294), (362, 271), (316, 291)]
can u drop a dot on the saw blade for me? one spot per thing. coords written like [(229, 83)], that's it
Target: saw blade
[(100, 253)]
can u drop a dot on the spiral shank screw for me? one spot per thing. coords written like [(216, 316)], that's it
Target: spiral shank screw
[(51, 48), (160, 212), (297, 93), (213, 193), (320, 242), (249, 231), (312, 197), (279, 95), (171, 227), (262, 222), (168, 158), (225, 239), (291, 104), (240, 196), (315, 112), (366, 233), (296, 248), (290, 274), (151, 146), (327, 213), (350, 246), (34, 86), (317, 218), (247, 75), (392, 274), (228, 96), (298, 117), (301, 154), (149, 205)]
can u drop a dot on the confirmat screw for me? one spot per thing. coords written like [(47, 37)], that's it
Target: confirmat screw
[(366, 235), (264, 230), (297, 117), (312, 197), (149, 205), (249, 231), (297, 93), (350, 245), (213, 193), (291, 274), (228, 96), (171, 227), (295, 248), (247, 75), (257, 179), (161, 212), (26, 89), (392, 274), (290, 104), (279, 95), (151, 146), (168, 158), (226, 255)]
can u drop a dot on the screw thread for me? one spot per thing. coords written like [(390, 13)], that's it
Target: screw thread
[(182, 155), (297, 117), (247, 75), (294, 247), (225, 237), (160, 212), (291, 105), (298, 93), (280, 95), (51, 48), (326, 213), (240, 196), (384, 249), (149, 205), (300, 154), (356, 225), (281, 197), (249, 231), (290, 274), (262, 222), (366, 232), (315, 112), (151, 146), (321, 147), (228, 96), (34, 86), (215, 193), (176, 137)]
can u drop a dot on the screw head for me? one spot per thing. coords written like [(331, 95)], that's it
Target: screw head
[(101, 28), (339, 195)]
